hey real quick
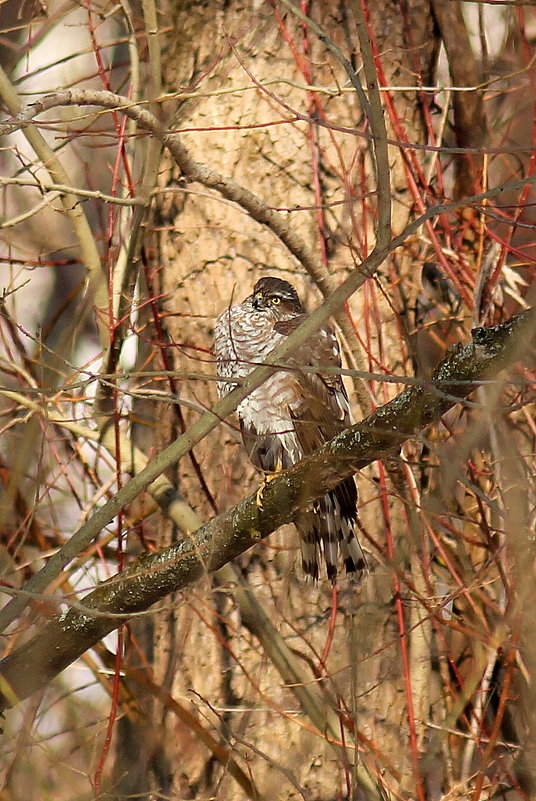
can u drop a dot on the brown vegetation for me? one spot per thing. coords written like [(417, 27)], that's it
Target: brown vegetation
[(189, 150)]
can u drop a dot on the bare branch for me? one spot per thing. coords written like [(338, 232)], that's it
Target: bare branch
[(73, 209), (221, 410), (154, 576)]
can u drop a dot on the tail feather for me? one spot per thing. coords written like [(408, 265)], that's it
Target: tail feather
[(330, 528)]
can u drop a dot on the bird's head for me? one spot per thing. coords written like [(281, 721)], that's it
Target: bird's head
[(276, 297)]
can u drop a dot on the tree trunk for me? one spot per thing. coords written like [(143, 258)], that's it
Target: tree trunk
[(253, 117)]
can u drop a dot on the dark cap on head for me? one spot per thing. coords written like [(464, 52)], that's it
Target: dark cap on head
[(275, 287)]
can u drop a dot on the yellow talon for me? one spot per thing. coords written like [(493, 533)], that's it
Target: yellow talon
[(265, 481), (268, 476)]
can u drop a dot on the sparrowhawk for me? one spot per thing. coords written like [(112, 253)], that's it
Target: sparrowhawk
[(293, 413)]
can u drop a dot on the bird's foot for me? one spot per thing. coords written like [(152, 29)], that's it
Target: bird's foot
[(268, 476)]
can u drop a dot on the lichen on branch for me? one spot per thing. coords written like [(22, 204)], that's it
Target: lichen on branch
[(153, 576)]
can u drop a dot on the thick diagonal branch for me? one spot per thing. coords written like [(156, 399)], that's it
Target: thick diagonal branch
[(154, 576)]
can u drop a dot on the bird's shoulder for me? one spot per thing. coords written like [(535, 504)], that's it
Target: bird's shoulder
[(321, 348)]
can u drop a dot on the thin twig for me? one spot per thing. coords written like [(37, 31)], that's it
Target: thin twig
[(73, 209), (154, 576)]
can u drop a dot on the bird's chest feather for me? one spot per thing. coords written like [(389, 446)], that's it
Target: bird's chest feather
[(268, 408), (242, 341)]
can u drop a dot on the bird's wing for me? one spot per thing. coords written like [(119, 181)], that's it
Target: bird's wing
[(321, 409)]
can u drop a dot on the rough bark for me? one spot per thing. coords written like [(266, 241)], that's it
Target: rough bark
[(211, 253)]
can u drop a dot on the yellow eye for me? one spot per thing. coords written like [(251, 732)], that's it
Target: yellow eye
[(276, 300), (258, 296)]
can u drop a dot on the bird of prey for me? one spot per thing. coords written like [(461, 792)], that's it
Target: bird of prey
[(293, 413)]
